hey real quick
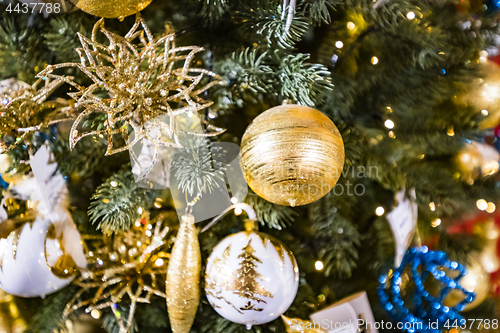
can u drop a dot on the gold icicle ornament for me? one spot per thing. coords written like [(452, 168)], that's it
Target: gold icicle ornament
[(183, 277)]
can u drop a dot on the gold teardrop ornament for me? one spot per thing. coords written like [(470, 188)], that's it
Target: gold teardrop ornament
[(183, 277)]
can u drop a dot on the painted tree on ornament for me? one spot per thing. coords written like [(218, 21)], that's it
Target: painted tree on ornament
[(245, 283)]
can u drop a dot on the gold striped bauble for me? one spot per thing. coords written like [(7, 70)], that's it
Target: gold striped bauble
[(292, 155)]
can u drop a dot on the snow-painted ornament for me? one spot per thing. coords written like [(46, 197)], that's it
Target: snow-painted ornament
[(251, 278), (33, 261)]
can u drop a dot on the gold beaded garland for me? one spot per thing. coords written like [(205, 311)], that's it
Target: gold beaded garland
[(292, 155), (111, 8)]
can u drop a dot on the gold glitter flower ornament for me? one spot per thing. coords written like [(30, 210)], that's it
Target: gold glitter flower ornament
[(134, 83), (131, 265), (25, 110)]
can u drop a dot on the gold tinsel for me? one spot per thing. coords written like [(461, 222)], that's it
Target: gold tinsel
[(292, 155), (183, 278), (111, 8), (131, 263), (27, 110), (142, 81)]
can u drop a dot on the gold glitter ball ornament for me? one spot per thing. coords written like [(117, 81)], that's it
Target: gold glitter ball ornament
[(111, 8), (292, 155)]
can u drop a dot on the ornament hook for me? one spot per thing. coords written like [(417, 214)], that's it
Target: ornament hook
[(288, 10), (243, 206)]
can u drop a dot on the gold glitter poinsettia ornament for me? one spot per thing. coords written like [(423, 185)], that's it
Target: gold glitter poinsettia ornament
[(141, 81), (25, 110)]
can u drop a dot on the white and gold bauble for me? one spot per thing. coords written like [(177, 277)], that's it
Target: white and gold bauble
[(33, 262), (251, 278)]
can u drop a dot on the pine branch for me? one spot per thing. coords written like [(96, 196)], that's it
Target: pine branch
[(61, 36), (110, 322), (302, 81), (22, 52), (213, 10), (272, 215), (265, 19), (49, 317), (198, 167), (118, 202), (249, 71), (83, 161), (318, 11), (338, 240)]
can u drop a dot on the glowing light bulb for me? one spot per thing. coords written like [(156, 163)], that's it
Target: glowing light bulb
[(237, 211), (410, 15), (432, 206), (482, 204), (436, 223), (351, 25), (491, 207), (380, 211), (95, 314), (339, 44), (389, 124), (374, 60), (234, 200), (318, 265), (159, 262)]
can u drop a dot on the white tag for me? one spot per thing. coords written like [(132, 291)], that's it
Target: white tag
[(349, 315), (403, 221), (50, 185)]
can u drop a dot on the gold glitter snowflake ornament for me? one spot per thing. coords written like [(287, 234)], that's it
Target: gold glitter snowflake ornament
[(139, 81)]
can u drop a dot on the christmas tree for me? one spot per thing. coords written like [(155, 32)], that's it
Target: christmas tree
[(113, 124)]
